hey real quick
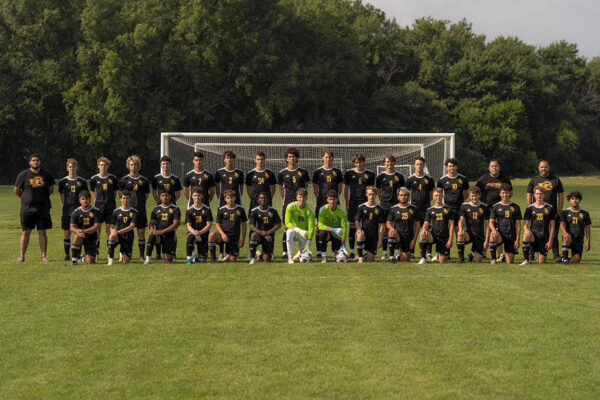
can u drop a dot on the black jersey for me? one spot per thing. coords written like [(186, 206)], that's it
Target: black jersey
[(403, 219), (203, 180), (123, 218), (369, 218), (198, 217), (230, 220), (539, 219), (139, 187), (575, 221), (83, 219), (264, 220), (453, 189), (357, 182), (552, 186), (164, 216), (476, 217), (170, 183), (259, 182), (326, 180), (35, 190), (292, 180), (70, 189), (389, 185), (506, 217), (229, 180), (490, 187), (104, 189), (439, 220), (420, 191)]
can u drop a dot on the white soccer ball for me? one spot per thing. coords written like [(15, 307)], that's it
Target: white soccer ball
[(305, 256), (341, 257)]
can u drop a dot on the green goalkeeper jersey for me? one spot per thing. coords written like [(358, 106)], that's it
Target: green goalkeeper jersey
[(333, 219), (303, 218)]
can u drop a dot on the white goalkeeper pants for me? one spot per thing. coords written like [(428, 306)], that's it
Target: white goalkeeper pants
[(292, 236)]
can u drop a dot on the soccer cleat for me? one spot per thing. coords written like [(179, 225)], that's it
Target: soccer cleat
[(74, 262), (423, 261), (392, 260), (45, 259), (435, 259), (351, 256), (566, 261), (97, 257), (471, 256), (493, 261), (223, 257), (82, 260), (323, 260), (428, 257), (360, 260), (21, 259), (147, 261), (120, 257), (525, 262), (110, 261), (290, 260), (460, 261), (252, 261), (67, 257), (189, 260), (559, 260), (213, 261), (284, 255)]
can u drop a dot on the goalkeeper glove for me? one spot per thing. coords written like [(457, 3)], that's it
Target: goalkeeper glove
[(336, 231)]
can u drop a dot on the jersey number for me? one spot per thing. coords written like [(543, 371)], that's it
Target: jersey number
[(135, 187), (574, 220), (475, 215), (454, 186), (391, 183), (261, 181), (539, 217), (198, 219), (360, 181), (265, 220), (73, 189), (293, 179), (506, 214), (104, 186), (231, 217), (167, 186), (439, 217), (86, 221), (328, 178), (125, 219), (370, 216), (164, 217), (230, 180), (404, 215)]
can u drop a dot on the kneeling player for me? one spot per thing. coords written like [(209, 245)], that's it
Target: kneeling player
[(121, 225), (264, 222), (332, 227), (164, 221), (300, 225), (230, 219), (474, 215), (198, 219), (438, 228), (85, 226), (370, 221), (505, 226), (403, 227), (575, 224), (539, 225)]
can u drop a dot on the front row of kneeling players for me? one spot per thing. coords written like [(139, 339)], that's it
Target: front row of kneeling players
[(476, 224)]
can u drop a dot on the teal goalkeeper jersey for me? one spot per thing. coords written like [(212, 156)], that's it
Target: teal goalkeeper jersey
[(303, 218), (333, 219)]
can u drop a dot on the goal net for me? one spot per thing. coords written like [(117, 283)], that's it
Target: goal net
[(434, 147)]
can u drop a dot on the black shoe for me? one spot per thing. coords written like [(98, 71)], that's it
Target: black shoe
[(461, 261), (392, 260), (67, 257), (559, 260), (566, 261), (471, 256)]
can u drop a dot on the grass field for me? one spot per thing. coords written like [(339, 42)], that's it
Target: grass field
[(308, 330)]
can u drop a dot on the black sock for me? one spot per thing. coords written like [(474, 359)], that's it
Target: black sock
[(158, 249), (253, 246), (141, 246), (284, 242), (565, 252), (493, 248), (97, 247), (526, 251), (150, 245), (391, 246), (359, 248), (111, 248), (213, 250), (221, 248), (189, 245), (351, 237), (429, 248), (67, 246), (76, 250), (423, 246), (461, 250), (384, 245)]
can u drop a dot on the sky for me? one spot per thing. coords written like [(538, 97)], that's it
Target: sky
[(535, 22)]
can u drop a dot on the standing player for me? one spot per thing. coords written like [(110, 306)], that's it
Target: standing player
[(403, 226), (229, 178), (575, 224), (421, 188), (138, 187), (356, 180), (198, 220), (474, 217), (104, 188), (230, 219), (369, 219), (490, 183), (264, 222), (290, 179), (455, 187), (539, 225), (122, 224), (85, 227), (260, 180), (332, 226), (554, 194), (505, 226), (300, 224), (199, 178), (166, 180), (164, 221), (34, 186), (326, 178), (388, 183), (69, 188), (438, 228)]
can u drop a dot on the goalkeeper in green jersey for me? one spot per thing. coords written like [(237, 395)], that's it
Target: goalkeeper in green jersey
[(332, 226), (300, 224)]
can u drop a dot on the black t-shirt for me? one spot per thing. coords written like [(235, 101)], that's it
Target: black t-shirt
[(231, 220), (357, 182), (539, 219), (369, 218), (70, 189), (439, 221), (259, 182), (575, 221), (389, 185), (476, 217), (35, 190), (420, 191), (170, 183), (403, 219), (229, 180), (139, 188), (164, 216), (83, 219), (326, 180), (506, 217), (453, 189), (204, 180), (104, 188), (198, 217), (292, 180), (552, 186), (264, 219), (122, 219), (490, 187)]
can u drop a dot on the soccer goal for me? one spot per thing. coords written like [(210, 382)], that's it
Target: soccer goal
[(434, 147)]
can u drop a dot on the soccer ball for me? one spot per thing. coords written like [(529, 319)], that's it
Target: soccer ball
[(341, 257), (305, 256)]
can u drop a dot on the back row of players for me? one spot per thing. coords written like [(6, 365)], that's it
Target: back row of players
[(394, 224)]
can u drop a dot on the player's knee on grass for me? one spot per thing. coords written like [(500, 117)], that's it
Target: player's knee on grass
[(89, 259), (370, 256), (575, 259), (405, 256), (510, 258), (266, 257)]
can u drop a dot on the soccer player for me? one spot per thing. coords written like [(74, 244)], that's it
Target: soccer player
[(199, 178), (138, 187), (505, 225), (260, 180), (164, 221), (230, 219), (403, 226), (165, 180), (490, 183), (85, 227), (326, 178), (198, 219), (300, 224), (356, 180), (455, 187), (264, 222), (554, 194), (229, 178), (538, 227), (290, 179), (122, 224), (332, 227), (473, 227), (421, 188), (388, 183), (34, 186), (438, 228), (69, 188), (370, 221), (104, 188), (575, 224)]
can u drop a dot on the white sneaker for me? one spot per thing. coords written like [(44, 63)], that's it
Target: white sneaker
[(323, 260), (384, 256), (147, 260), (493, 261), (290, 261), (525, 262), (435, 259), (423, 261), (110, 261), (252, 261), (97, 257), (120, 257), (360, 260), (223, 257), (82, 260), (428, 257)]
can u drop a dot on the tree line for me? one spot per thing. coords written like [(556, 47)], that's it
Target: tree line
[(85, 78)]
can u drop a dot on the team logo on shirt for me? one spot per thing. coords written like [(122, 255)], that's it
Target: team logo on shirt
[(546, 185), (36, 182), (270, 214), (140, 182), (480, 210), (172, 181), (445, 211), (237, 212), (170, 211), (512, 209), (426, 181), (396, 178), (376, 211), (91, 215), (581, 215), (546, 211), (110, 181), (78, 183), (236, 174), (131, 214), (460, 181), (334, 174)]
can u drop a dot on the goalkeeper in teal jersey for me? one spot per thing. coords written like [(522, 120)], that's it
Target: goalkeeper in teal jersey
[(300, 224), (333, 226)]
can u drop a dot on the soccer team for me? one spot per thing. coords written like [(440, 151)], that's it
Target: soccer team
[(402, 222)]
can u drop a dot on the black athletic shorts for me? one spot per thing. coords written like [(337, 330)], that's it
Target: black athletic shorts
[(65, 222), (371, 242), (328, 237), (455, 214), (142, 221), (267, 247), (509, 243), (31, 220), (125, 243), (104, 215), (202, 246), (576, 246), (404, 244), (232, 248), (539, 245), (477, 242), (421, 216), (352, 208), (440, 245), (90, 244), (168, 243)]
